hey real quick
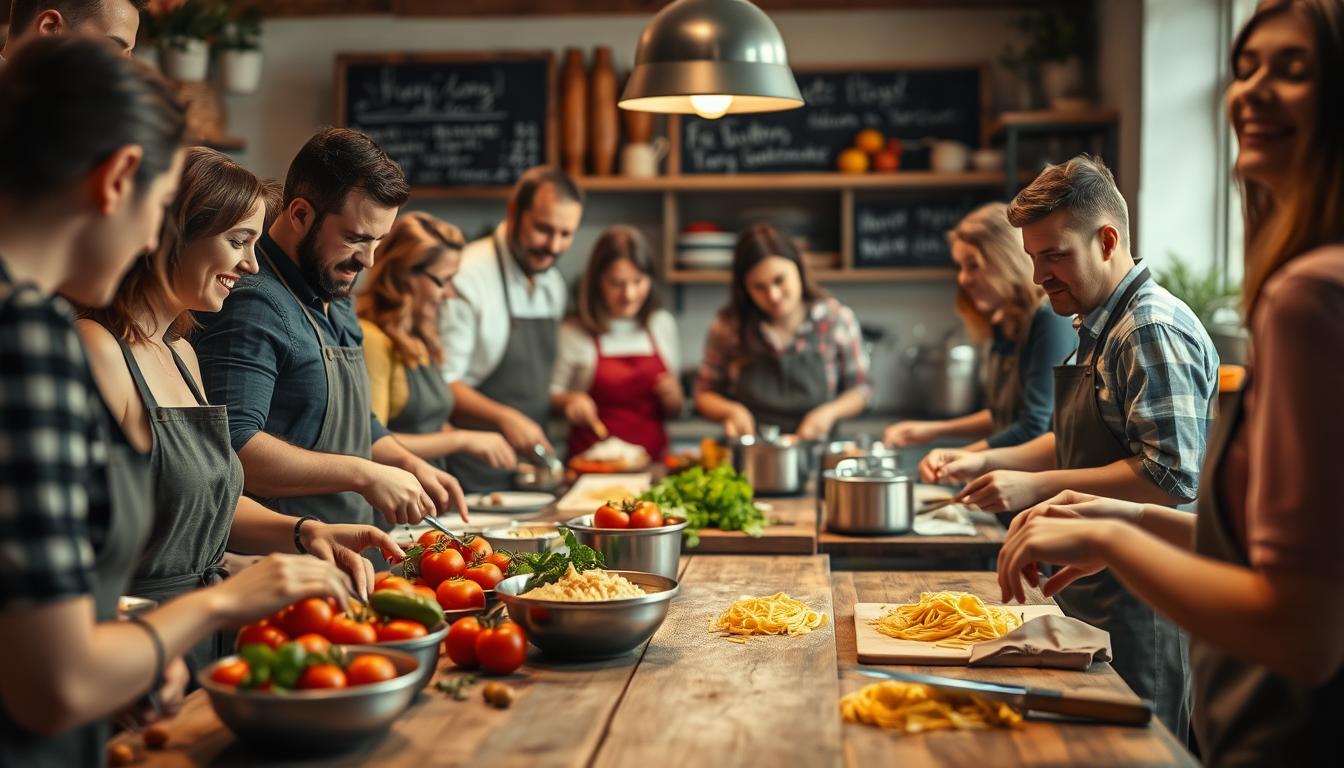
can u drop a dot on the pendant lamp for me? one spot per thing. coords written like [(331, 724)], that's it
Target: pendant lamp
[(711, 58)]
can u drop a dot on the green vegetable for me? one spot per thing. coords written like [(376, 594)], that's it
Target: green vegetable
[(260, 660), (548, 567), (456, 687), (290, 661), (399, 605), (717, 498)]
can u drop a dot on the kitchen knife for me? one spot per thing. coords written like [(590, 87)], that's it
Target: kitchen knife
[(1099, 707)]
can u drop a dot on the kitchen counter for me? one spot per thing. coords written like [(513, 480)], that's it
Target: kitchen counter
[(690, 697)]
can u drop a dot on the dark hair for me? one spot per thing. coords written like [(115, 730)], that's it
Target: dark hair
[(68, 102), (1083, 186), (75, 12), (613, 245), (534, 178), (338, 161), (756, 244), (215, 194), (1309, 211)]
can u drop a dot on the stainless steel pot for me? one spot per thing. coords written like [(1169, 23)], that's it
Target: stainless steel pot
[(650, 550), (869, 495), (945, 379), (836, 451), (775, 467)]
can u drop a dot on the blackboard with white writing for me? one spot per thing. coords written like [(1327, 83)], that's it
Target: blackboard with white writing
[(907, 103), (452, 120), (909, 231)]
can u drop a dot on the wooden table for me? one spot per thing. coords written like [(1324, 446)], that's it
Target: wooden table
[(1039, 743), (693, 698), (983, 546)]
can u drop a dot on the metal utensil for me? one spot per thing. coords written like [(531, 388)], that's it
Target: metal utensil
[(1094, 706), (433, 522), (548, 459), (933, 505)]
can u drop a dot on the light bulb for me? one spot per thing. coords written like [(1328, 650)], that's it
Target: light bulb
[(711, 106)]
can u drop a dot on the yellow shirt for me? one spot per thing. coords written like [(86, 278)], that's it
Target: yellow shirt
[(388, 387)]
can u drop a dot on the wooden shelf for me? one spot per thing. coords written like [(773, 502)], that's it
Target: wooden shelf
[(1080, 118), (858, 275), (794, 181)]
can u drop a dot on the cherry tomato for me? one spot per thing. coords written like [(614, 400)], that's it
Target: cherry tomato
[(395, 582), (486, 574), (501, 560), (401, 629), (436, 567), (369, 668), (610, 517), (461, 642), (646, 515), (501, 649), (346, 631), (255, 633), (231, 674), (430, 538), (314, 643), (322, 676), (457, 594), (309, 615), (480, 547)]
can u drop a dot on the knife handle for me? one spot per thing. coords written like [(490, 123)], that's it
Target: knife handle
[(1102, 707)]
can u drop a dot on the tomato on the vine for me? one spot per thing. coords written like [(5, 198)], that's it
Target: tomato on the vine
[(501, 649), (347, 631), (480, 547), (458, 594), (430, 538), (401, 629), (611, 516), (395, 582), (646, 515), (266, 635), (438, 566), (461, 641), (311, 615), (501, 560), (369, 668), (486, 574)]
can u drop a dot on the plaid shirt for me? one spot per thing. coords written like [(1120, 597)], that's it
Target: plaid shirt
[(830, 328), (54, 503), (1158, 375)]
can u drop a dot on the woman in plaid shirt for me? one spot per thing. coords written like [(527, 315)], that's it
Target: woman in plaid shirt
[(783, 352)]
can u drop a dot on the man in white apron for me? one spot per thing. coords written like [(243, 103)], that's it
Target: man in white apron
[(286, 352), (1131, 414), (499, 333)]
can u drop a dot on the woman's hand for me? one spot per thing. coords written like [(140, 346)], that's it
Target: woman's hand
[(581, 411), (952, 465), (490, 447), (817, 423), (1056, 537), (1079, 504), (739, 422), (341, 545), (274, 582), (904, 433), (1004, 490)]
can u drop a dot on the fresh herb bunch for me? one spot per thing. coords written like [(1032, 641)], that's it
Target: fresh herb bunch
[(549, 567), (717, 498)]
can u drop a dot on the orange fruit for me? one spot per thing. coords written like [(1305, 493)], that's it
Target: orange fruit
[(870, 140), (852, 161)]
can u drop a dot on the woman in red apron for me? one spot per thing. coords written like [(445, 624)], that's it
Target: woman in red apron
[(1256, 575), (617, 357)]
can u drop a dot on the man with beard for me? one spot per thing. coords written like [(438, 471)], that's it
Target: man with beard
[(499, 334), (286, 352)]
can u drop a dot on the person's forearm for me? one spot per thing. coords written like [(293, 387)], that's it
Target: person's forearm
[(714, 406), (388, 451), (849, 404), (433, 445), (473, 405), (977, 425), (1171, 525), (274, 468), (1035, 456), (257, 530), (561, 400), (1125, 479), (1256, 616)]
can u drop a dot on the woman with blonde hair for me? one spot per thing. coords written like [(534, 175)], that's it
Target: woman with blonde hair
[(399, 311), (1003, 308)]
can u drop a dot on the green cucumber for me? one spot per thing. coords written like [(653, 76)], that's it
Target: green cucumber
[(399, 605)]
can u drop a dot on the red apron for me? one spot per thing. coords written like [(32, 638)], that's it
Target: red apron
[(626, 402)]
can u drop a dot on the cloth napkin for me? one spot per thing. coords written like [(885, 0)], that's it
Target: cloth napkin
[(952, 520), (1046, 641)]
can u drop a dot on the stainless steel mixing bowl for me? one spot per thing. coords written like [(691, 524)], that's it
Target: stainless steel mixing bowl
[(590, 630), (649, 550)]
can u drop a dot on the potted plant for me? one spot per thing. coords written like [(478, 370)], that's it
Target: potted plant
[(185, 27), (1214, 300), (1057, 39), (239, 44)]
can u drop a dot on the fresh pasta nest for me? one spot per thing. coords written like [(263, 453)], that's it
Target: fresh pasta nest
[(957, 619), (915, 708), (777, 614)]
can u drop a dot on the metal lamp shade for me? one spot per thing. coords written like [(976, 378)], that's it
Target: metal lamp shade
[(711, 47)]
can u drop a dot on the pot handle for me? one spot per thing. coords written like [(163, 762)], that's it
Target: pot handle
[(859, 464)]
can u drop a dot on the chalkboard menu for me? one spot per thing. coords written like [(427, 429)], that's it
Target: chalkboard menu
[(907, 102), (909, 231), (452, 120)]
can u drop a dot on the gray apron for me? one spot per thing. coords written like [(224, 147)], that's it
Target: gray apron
[(429, 404), (117, 555), (780, 389), (1245, 715), (1149, 651), (345, 428), (1003, 387), (522, 381), (197, 480)]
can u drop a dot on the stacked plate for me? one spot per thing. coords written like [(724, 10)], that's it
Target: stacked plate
[(706, 250)]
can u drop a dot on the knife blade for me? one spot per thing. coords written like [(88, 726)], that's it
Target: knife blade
[(1095, 706)]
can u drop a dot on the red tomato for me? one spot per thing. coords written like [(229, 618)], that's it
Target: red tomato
[(486, 574), (480, 547), (461, 642), (430, 538), (314, 643), (395, 582), (255, 633), (610, 517), (310, 615), (346, 631), (322, 676), (646, 515), (501, 560), (231, 674), (424, 591), (436, 567), (369, 668), (458, 594), (401, 629), (501, 649)]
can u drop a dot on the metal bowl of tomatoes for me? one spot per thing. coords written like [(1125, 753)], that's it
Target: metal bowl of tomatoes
[(590, 630), (424, 648), (330, 719), (648, 548)]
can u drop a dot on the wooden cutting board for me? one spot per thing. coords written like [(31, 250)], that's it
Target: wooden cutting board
[(876, 648), (590, 491)]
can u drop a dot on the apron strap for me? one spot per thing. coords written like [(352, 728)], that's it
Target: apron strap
[(1125, 299), (140, 384), (188, 377), (503, 278)]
